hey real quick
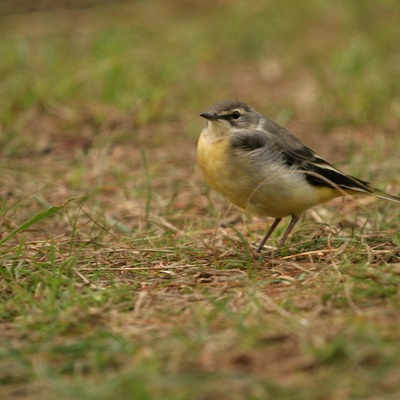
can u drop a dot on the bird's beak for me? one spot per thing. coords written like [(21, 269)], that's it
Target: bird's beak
[(210, 116)]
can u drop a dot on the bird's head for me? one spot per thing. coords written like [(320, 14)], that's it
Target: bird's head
[(233, 115)]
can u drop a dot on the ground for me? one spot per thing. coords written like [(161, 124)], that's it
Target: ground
[(122, 275)]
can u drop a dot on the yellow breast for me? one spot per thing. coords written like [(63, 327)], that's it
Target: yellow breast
[(213, 158)]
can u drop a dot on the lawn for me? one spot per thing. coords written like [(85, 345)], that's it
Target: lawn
[(122, 275)]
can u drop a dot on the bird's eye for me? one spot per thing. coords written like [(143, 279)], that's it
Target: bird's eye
[(236, 115)]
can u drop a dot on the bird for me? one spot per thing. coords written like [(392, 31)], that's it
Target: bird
[(265, 170)]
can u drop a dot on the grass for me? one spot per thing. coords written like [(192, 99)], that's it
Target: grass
[(122, 276)]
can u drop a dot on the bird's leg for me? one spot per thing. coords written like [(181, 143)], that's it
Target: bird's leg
[(293, 222), (268, 234)]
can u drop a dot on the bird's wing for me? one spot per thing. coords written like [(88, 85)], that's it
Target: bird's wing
[(320, 172), (288, 148)]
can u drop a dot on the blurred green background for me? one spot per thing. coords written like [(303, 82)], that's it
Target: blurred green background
[(332, 64)]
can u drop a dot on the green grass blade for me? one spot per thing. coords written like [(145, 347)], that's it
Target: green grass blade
[(33, 220), (148, 182)]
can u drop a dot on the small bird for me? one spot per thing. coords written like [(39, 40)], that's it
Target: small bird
[(265, 170)]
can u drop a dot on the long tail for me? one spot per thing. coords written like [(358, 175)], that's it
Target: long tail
[(383, 195)]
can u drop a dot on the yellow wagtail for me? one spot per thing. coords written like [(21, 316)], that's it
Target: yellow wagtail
[(265, 170)]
